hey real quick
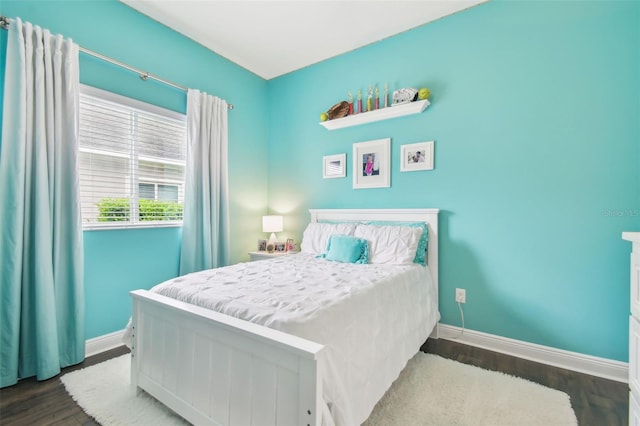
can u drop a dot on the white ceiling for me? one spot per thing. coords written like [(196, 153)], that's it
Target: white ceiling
[(272, 38)]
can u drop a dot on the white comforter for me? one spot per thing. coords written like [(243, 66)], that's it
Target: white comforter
[(372, 318)]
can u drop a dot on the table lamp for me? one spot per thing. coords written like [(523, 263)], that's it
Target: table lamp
[(272, 224)]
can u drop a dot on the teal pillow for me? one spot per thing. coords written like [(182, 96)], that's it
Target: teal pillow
[(421, 251), (347, 249)]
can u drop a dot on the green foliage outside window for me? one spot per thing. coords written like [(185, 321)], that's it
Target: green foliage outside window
[(113, 210), (160, 210), (118, 210)]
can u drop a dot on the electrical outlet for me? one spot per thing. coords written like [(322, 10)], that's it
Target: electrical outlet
[(461, 295)]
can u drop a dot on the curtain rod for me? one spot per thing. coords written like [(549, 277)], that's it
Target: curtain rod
[(144, 75)]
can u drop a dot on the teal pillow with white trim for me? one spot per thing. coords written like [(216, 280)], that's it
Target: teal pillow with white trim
[(347, 249)]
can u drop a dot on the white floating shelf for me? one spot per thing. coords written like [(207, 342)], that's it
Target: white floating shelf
[(377, 115)]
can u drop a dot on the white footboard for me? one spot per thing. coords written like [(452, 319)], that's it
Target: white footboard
[(214, 369)]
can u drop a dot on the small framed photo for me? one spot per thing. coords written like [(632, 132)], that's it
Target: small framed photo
[(416, 156), (262, 245), (371, 164), (280, 247), (290, 245), (334, 166)]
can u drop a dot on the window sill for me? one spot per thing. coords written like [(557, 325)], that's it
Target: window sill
[(114, 226)]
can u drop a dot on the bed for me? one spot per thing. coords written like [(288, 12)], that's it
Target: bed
[(295, 340)]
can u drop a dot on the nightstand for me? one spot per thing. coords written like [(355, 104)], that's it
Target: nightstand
[(262, 255)]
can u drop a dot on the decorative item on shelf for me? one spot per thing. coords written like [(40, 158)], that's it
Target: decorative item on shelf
[(409, 108), (386, 95), (410, 100), (350, 104), (403, 96), (339, 110), (271, 224), (262, 245), (291, 246)]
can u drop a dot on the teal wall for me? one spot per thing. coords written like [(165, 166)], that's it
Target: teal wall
[(535, 115), (117, 261)]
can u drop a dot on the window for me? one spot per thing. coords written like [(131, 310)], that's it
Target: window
[(132, 160), (158, 191)]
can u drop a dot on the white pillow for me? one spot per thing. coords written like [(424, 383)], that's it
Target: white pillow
[(316, 236), (390, 244)]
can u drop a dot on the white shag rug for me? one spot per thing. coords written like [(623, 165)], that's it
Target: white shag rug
[(431, 390)]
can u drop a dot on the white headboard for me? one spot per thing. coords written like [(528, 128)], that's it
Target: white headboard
[(429, 216)]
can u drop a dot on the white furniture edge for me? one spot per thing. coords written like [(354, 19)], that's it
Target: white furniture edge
[(634, 326), (376, 115), (262, 255), (595, 366), (234, 366), (631, 236), (236, 363)]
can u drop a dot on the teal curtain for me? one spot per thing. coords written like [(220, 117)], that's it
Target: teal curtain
[(41, 253), (205, 225)]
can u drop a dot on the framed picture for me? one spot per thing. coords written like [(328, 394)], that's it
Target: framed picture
[(416, 156), (371, 164), (334, 166), (290, 245), (262, 245), (280, 247)]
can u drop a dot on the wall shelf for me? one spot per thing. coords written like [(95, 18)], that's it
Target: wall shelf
[(377, 115)]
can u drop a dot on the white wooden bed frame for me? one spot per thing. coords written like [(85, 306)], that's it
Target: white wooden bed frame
[(240, 373)]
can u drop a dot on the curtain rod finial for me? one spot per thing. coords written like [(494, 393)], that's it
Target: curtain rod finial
[(4, 22)]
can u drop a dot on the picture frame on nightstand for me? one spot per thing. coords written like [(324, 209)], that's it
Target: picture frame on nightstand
[(262, 245), (280, 247)]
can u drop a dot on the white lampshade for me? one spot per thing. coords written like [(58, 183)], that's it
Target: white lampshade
[(272, 224)]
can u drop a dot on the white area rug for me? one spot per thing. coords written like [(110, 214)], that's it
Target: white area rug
[(430, 391), (437, 391)]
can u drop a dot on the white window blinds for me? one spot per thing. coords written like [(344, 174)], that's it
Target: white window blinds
[(132, 159)]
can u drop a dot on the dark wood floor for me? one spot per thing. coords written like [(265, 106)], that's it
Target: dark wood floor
[(596, 401), (45, 403)]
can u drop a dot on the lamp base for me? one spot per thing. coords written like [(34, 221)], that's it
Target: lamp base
[(272, 239)]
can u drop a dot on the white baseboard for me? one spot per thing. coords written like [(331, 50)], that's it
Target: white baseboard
[(600, 367), (103, 343)]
